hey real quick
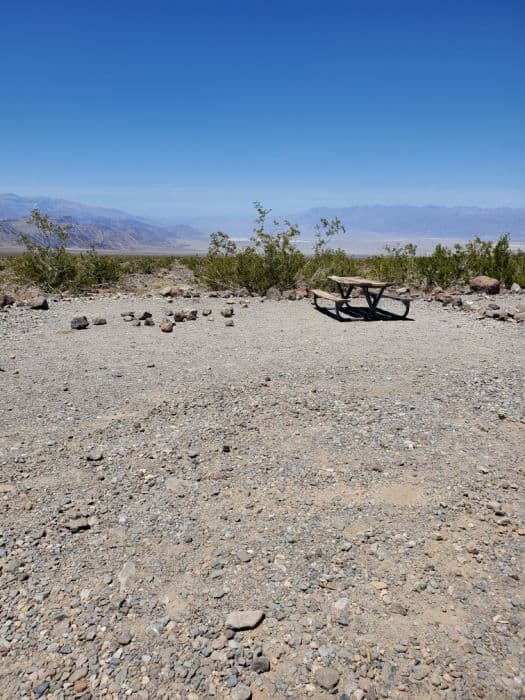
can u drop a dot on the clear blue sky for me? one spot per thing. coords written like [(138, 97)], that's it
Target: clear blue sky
[(176, 108)]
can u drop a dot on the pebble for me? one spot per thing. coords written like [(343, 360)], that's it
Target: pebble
[(327, 678), (244, 619)]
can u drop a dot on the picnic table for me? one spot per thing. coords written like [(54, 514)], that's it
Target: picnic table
[(373, 292)]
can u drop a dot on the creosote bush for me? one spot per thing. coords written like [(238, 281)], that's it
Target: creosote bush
[(274, 260)]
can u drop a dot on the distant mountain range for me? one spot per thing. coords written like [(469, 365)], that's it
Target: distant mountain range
[(107, 229), (368, 227)]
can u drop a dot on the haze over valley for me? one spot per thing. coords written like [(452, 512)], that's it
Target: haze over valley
[(368, 228)]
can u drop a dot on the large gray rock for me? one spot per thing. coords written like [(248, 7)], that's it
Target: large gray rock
[(482, 283)]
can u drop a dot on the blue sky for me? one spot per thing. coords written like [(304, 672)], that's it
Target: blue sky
[(177, 108)]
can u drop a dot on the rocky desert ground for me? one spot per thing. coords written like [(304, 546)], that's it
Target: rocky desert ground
[(286, 507)]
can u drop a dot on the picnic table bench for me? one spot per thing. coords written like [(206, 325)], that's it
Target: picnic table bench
[(373, 291)]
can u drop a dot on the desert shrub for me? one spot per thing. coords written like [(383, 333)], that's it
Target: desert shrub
[(94, 269), (46, 261), (273, 259), (147, 264)]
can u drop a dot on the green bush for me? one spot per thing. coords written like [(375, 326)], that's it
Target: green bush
[(273, 259), (46, 263), (94, 269)]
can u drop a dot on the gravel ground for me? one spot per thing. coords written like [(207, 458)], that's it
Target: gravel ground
[(289, 507)]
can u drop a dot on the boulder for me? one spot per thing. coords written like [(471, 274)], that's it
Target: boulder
[(169, 292), (273, 294), (39, 303), (487, 285), (79, 323), (6, 300)]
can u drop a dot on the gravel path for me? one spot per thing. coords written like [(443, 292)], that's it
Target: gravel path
[(289, 507)]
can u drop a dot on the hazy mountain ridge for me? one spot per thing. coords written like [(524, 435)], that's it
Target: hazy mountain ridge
[(430, 220), (368, 227), (107, 229)]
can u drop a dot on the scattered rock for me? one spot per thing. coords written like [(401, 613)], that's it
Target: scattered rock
[(39, 303), (487, 285), (99, 321), (227, 312), (79, 323), (244, 619), (327, 678), (77, 524), (273, 294), (260, 664), (241, 692), (166, 327), (95, 455)]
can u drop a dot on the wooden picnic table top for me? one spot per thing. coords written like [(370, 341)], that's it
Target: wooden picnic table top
[(360, 282)]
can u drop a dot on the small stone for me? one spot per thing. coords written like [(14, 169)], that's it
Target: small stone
[(227, 312), (420, 672), (149, 321), (379, 585), (125, 638), (79, 323), (244, 619), (41, 689), (229, 323), (273, 294), (77, 525), (39, 303), (241, 692), (80, 686), (327, 678), (166, 327), (398, 609), (95, 455), (144, 315), (260, 664), (99, 321)]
